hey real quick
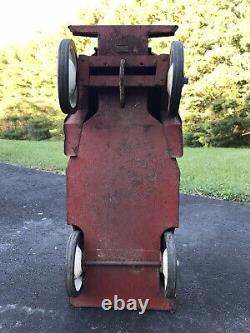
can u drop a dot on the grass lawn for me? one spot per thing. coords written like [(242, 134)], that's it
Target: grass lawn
[(216, 172)]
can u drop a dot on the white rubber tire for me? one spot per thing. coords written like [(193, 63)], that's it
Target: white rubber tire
[(74, 265)]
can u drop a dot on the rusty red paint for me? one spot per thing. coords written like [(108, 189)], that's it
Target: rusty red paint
[(127, 30), (126, 282), (173, 133), (111, 39), (137, 63), (122, 177)]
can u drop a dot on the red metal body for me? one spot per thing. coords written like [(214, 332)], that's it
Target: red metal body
[(122, 176)]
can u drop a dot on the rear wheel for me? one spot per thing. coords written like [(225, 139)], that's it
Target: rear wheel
[(74, 266), (169, 265)]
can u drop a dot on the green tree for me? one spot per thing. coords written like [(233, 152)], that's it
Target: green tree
[(216, 35)]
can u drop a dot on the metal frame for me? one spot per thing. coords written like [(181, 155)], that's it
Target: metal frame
[(122, 176)]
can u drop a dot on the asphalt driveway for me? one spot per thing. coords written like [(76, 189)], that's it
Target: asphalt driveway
[(213, 245)]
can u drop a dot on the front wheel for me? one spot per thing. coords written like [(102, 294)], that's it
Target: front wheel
[(74, 266), (175, 78), (67, 76)]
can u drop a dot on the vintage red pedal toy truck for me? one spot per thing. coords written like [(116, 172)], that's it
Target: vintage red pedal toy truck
[(123, 134)]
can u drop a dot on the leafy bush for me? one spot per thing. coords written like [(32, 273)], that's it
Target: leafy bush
[(39, 129), (23, 128), (228, 132), (24, 120)]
